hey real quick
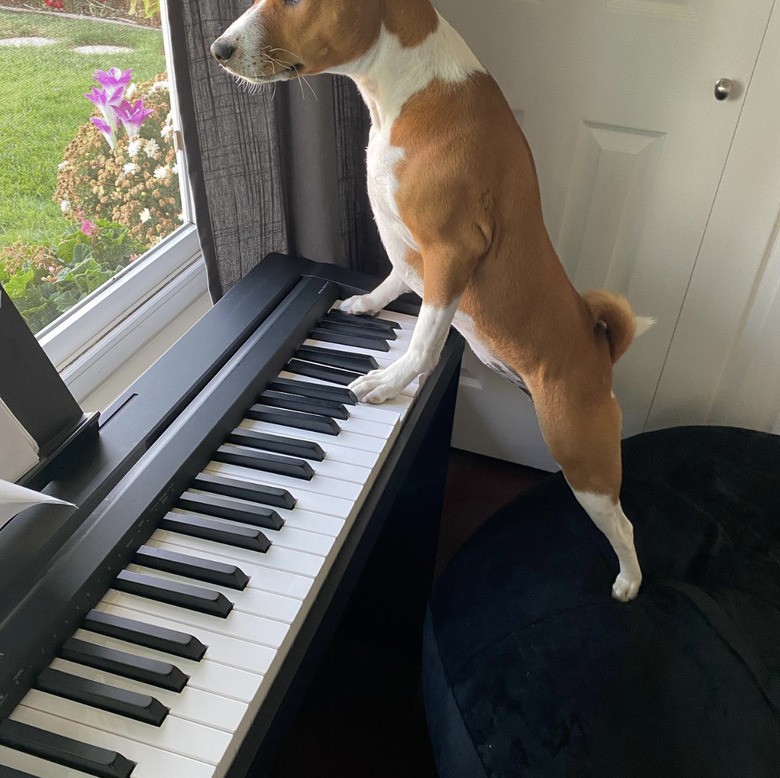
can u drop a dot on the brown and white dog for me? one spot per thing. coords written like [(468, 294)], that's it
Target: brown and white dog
[(454, 192)]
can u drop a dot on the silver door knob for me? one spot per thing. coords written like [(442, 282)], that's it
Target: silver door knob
[(723, 88)]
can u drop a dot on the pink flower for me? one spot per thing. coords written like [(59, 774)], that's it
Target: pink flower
[(88, 227), (106, 129), (114, 82), (132, 116)]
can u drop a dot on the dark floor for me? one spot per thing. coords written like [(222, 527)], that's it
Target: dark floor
[(378, 735)]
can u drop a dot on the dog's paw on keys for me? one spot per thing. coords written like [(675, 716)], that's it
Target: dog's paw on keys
[(379, 386), (360, 305), (625, 588)]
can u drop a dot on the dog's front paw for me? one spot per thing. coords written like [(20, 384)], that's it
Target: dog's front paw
[(379, 386), (626, 587), (360, 304)]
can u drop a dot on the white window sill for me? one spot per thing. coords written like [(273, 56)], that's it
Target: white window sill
[(102, 332)]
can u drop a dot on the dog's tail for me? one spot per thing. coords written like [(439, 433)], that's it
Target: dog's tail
[(613, 312)]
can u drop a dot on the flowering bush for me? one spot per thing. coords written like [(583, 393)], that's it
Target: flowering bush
[(128, 177), (146, 12), (45, 282)]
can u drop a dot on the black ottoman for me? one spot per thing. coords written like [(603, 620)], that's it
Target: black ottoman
[(532, 669)]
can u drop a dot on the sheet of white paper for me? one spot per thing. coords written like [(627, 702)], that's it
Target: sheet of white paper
[(15, 498), (18, 449)]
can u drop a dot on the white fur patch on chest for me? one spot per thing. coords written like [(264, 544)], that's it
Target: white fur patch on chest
[(382, 159)]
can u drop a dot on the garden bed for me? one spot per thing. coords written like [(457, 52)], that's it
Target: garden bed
[(74, 209)]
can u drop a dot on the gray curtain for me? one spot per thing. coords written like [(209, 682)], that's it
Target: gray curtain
[(270, 171)]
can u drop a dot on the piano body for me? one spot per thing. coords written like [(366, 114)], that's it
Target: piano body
[(231, 505)]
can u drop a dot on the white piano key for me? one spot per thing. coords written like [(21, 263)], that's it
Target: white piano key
[(372, 429), (33, 765), (296, 517), (396, 348), (186, 738), (265, 578), (309, 499), (275, 558), (384, 359), (254, 601), (253, 629), (399, 404), (231, 668), (151, 762), (287, 537), (378, 413), (192, 704), (343, 448), (318, 484)]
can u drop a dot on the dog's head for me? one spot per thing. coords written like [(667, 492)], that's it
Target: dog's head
[(276, 40)]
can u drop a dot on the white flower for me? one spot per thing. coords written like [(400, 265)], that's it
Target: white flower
[(130, 168), (181, 218), (145, 216), (130, 90), (161, 172), (65, 206), (134, 147), (63, 165), (175, 168), (166, 130), (151, 148), (158, 85)]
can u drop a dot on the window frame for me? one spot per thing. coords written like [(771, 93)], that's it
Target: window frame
[(148, 294)]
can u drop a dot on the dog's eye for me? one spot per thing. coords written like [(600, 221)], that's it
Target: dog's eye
[(291, 2)]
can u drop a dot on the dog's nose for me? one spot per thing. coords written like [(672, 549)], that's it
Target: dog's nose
[(222, 50)]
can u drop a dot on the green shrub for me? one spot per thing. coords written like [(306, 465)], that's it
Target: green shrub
[(45, 282)]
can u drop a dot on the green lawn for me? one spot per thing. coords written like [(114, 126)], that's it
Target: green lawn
[(42, 105)]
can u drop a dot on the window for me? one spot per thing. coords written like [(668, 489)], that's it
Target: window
[(95, 218)]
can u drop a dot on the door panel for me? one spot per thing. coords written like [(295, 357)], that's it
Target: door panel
[(617, 100), (724, 363)]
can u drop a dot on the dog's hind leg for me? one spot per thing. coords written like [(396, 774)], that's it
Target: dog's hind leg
[(585, 441), (373, 302)]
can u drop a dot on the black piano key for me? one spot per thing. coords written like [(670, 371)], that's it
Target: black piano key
[(138, 668), (219, 573), (307, 389), (246, 490), (142, 707), (322, 372), (336, 315), (195, 598), (148, 635), (208, 529), (348, 339), (65, 751), (227, 508), (263, 461), (360, 363), (294, 402), (305, 449), (356, 327), (301, 421)]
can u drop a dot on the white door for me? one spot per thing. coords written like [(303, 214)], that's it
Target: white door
[(617, 100), (724, 362)]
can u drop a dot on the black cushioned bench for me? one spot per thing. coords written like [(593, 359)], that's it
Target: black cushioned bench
[(531, 669)]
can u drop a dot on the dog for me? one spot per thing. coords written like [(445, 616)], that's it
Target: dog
[(455, 195)]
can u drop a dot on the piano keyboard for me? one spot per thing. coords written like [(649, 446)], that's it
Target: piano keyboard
[(167, 672)]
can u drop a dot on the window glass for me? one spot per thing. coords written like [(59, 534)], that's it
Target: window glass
[(88, 173)]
